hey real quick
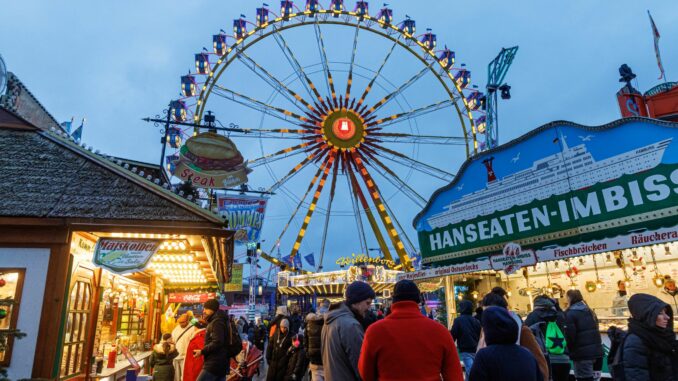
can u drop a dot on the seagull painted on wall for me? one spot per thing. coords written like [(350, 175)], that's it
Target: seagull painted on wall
[(586, 138), (515, 159), (460, 187)]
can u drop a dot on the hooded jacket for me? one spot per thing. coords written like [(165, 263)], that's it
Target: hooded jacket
[(214, 351), (312, 337), (342, 338), (582, 333), (193, 365), (466, 328), (277, 355), (161, 362), (297, 363), (407, 345), (546, 312), (502, 359), (650, 352)]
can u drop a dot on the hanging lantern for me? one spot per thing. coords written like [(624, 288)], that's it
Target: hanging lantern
[(178, 111), (462, 78), (262, 16), (670, 286), (286, 9), (658, 280), (219, 44), (429, 40), (239, 28), (312, 6), (591, 286), (446, 58), (202, 63), (385, 16), (188, 85), (174, 135), (409, 26), (361, 9)]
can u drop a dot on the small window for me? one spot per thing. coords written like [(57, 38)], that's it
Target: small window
[(11, 285)]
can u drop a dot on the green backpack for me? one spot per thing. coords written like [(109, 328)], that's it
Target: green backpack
[(554, 340)]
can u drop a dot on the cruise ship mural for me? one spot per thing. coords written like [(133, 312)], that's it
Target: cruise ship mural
[(559, 177)]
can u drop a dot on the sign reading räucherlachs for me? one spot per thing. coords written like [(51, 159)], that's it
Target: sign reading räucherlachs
[(124, 255)]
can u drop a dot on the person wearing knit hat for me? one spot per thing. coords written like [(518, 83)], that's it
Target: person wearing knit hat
[(342, 335), (214, 352), (277, 352), (406, 345)]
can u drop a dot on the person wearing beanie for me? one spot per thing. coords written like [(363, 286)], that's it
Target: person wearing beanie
[(277, 352), (466, 332), (502, 359), (280, 313), (407, 345), (342, 335), (214, 352)]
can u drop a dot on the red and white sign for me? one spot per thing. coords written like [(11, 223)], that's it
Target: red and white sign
[(513, 258), (343, 128), (191, 297)]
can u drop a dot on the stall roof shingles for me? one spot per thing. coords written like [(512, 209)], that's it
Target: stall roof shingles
[(40, 177)]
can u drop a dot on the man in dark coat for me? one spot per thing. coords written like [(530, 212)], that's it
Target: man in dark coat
[(502, 359), (583, 336), (545, 311), (650, 351), (277, 353), (297, 363), (466, 332), (214, 352), (312, 340)]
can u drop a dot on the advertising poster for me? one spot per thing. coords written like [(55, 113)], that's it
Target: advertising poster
[(235, 284), (245, 215), (123, 256)]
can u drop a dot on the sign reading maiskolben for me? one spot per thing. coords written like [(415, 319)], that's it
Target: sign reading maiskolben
[(124, 255), (559, 185)]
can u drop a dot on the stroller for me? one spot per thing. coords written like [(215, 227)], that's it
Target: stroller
[(246, 365)]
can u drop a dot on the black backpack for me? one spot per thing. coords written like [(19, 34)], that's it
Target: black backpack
[(232, 341)]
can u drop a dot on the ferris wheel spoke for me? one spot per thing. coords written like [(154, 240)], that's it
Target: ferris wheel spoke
[(314, 202), (394, 179), (275, 83), (392, 137), (296, 66), (358, 219), (260, 106), (316, 154), (299, 205), (326, 67), (407, 161), (357, 191), (376, 75), (328, 214), (399, 90), (407, 115), (284, 153), (380, 203), (349, 82)]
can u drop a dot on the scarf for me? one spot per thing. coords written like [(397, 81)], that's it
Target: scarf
[(662, 340)]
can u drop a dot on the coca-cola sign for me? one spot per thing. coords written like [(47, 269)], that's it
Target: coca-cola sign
[(190, 297)]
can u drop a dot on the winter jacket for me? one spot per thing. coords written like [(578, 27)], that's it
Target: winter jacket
[(277, 355), (466, 328), (259, 338), (582, 333), (297, 364), (502, 359), (650, 353), (193, 365), (546, 315), (407, 345), (312, 339), (161, 362), (295, 323), (275, 323), (342, 338), (215, 353)]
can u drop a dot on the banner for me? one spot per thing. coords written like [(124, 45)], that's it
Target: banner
[(190, 297), (561, 185), (123, 256), (245, 215), (235, 284)]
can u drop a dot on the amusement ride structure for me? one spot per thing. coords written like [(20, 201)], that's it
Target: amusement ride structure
[(362, 134)]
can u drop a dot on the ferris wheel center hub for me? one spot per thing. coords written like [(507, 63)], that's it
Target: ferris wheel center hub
[(343, 129)]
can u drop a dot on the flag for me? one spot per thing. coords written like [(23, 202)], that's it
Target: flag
[(655, 35), (297, 261), (67, 126), (287, 260), (310, 260), (77, 134)]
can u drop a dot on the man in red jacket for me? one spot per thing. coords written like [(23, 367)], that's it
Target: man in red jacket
[(407, 345)]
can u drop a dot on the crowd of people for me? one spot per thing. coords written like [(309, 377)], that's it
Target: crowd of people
[(348, 341)]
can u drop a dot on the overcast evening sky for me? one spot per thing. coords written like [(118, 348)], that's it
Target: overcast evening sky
[(116, 62)]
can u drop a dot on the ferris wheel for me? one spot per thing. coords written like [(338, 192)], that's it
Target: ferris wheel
[(347, 103)]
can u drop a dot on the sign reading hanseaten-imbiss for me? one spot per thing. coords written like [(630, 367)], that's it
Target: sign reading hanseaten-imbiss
[(561, 190)]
